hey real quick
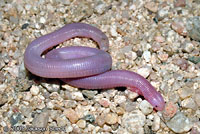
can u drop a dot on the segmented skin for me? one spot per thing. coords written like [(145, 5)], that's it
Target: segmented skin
[(84, 67)]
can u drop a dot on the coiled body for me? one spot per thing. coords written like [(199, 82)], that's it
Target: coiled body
[(84, 67)]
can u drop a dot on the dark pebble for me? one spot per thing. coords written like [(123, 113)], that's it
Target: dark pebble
[(15, 118), (90, 118), (24, 26), (194, 59)]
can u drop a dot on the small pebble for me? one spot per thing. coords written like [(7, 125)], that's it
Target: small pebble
[(144, 71), (161, 14), (61, 121), (70, 104), (100, 8), (182, 63), (113, 31), (193, 27), (185, 92), (28, 7), (179, 28), (13, 19), (189, 103), (26, 111), (15, 118), (89, 93), (120, 111), (156, 123), (118, 99), (134, 121), (41, 120), (100, 120), (71, 115), (159, 39), (24, 26), (188, 47), (180, 123), (147, 56), (170, 110), (107, 128), (34, 90), (4, 98), (146, 107), (180, 3), (27, 96), (131, 95), (111, 118), (163, 56), (197, 98), (81, 123), (130, 106), (51, 85), (3, 87), (151, 6), (194, 59), (42, 20), (90, 118), (91, 127), (77, 96), (104, 102)]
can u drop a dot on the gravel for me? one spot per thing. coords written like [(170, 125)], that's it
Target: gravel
[(158, 39)]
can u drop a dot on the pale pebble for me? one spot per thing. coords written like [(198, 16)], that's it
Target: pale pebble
[(156, 122), (100, 120), (197, 98), (146, 107), (42, 20), (71, 115), (69, 129), (90, 127), (41, 120), (163, 56), (159, 39), (81, 123), (147, 56), (107, 128), (27, 96), (100, 8), (151, 6), (133, 7), (61, 121), (161, 14), (28, 7), (131, 95), (104, 102), (179, 28), (3, 87), (188, 47), (50, 104), (113, 31), (180, 3), (134, 121), (189, 103), (34, 90), (77, 96), (120, 111), (14, 70), (51, 86), (180, 123), (144, 71), (118, 99), (185, 92), (111, 118)]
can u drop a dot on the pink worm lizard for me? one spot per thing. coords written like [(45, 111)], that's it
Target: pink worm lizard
[(84, 67)]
